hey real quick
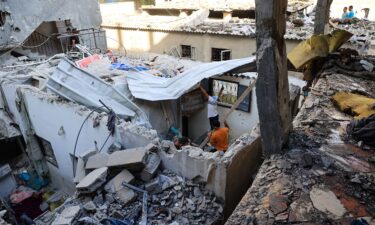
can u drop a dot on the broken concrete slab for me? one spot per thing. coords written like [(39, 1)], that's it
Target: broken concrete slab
[(67, 216), (152, 164), (131, 159), (93, 180), (80, 171), (125, 195), (97, 161), (80, 167), (326, 201), (90, 206), (115, 184), (87, 154)]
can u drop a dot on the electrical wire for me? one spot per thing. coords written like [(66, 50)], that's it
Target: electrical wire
[(79, 133), (105, 142), (110, 126)]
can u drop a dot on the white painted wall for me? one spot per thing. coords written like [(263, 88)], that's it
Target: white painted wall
[(48, 114), (143, 41), (239, 121), (47, 118), (163, 42)]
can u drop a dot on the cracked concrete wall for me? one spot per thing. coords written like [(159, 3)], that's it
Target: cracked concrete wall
[(22, 17)]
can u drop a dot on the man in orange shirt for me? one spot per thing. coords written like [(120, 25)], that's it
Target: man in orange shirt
[(219, 136)]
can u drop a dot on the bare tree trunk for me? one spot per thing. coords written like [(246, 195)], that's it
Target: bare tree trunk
[(272, 86), (322, 16)]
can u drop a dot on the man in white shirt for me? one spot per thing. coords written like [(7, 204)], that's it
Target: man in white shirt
[(212, 113)]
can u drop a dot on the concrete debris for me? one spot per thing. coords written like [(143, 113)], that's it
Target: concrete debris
[(131, 159), (115, 184), (326, 201), (89, 206), (67, 216), (79, 171), (125, 195), (173, 200), (97, 161), (93, 180), (183, 201), (153, 186), (165, 199), (152, 164), (330, 174)]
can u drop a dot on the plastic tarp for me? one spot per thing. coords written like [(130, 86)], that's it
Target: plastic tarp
[(149, 87), (79, 86)]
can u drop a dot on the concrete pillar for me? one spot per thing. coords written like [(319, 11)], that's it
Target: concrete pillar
[(322, 16), (272, 88), (227, 15)]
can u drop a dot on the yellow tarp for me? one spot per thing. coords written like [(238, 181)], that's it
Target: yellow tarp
[(317, 46), (357, 105)]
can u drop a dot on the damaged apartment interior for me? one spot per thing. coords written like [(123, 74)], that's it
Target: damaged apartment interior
[(178, 112)]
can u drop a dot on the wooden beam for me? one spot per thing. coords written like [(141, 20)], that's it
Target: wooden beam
[(272, 88)]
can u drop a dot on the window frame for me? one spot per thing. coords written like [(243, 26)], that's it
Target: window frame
[(216, 54)]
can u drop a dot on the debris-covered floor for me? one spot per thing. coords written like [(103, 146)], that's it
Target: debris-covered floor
[(152, 196), (324, 176), (127, 182)]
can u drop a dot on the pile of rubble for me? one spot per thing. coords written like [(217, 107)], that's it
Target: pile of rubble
[(156, 64), (324, 176), (129, 187)]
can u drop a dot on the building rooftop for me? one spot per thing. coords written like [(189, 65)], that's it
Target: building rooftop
[(235, 26), (220, 5), (323, 176)]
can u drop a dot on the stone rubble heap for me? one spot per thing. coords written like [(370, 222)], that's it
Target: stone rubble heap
[(116, 192), (323, 177)]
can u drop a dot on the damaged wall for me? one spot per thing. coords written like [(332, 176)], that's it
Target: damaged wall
[(58, 122), (22, 17), (162, 114), (228, 176)]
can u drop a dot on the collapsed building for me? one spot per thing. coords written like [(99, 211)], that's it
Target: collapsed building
[(81, 123), (95, 132)]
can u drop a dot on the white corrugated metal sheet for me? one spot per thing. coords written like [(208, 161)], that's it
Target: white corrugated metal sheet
[(82, 87), (148, 87)]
